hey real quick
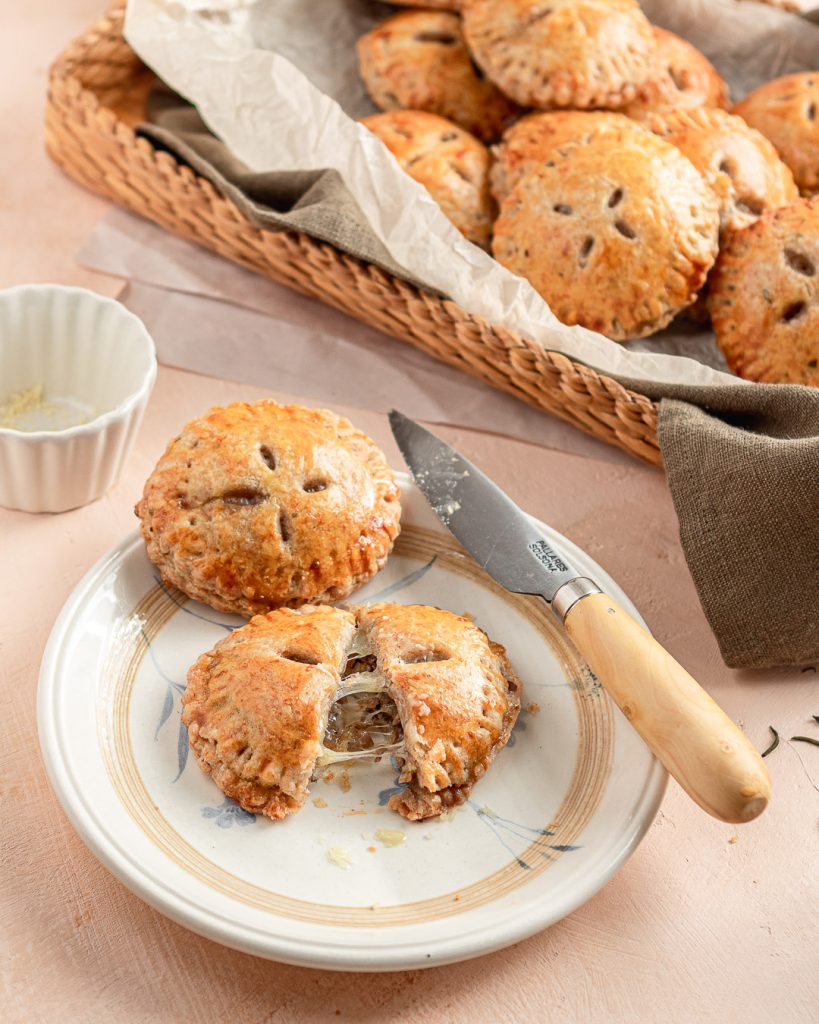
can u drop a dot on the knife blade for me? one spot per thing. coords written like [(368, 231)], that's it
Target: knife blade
[(685, 728), (506, 542)]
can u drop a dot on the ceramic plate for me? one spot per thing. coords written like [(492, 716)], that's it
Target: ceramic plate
[(558, 813)]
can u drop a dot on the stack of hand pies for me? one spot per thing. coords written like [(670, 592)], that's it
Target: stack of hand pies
[(275, 512), (594, 154)]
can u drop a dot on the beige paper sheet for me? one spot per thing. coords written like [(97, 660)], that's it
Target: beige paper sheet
[(219, 319)]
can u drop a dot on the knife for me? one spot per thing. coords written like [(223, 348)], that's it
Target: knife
[(699, 745)]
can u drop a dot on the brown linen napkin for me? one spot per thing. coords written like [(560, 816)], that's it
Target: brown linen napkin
[(316, 203), (742, 462)]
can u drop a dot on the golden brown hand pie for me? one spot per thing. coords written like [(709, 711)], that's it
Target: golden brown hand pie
[(617, 234), (418, 60), (259, 505), (786, 111), (561, 53), (529, 142), (449, 162), (764, 296), (257, 705), (683, 78), (739, 163)]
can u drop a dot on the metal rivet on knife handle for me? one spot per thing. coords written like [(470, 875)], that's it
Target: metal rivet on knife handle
[(570, 593)]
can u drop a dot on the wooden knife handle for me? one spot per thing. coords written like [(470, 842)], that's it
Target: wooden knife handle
[(686, 729)]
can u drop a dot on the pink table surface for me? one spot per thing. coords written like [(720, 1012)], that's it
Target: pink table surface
[(706, 922)]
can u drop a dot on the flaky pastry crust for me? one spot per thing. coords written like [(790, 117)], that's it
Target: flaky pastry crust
[(617, 235), (563, 53), (259, 505), (786, 111), (764, 296), (738, 162), (418, 60), (449, 162), (683, 77), (530, 141)]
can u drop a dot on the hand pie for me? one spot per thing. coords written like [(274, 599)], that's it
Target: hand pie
[(528, 143), (450, 163), (786, 111), (739, 163), (617, 235), (418, 60), (561, 53), (683, 78), (257, 706), (764, 296), (259, 505)]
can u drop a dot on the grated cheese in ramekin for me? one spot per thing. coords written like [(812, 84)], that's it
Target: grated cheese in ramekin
[(27, 410), (27, 401)]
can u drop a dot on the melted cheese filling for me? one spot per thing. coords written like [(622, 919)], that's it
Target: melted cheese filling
[(363, 722)]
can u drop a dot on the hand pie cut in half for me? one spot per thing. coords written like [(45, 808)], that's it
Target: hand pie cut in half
[(294, 690), (257, 506)]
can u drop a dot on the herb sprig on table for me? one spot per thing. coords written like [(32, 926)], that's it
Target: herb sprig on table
[(794, 739)]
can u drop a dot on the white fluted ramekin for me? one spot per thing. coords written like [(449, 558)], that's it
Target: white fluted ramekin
[(82, 347)]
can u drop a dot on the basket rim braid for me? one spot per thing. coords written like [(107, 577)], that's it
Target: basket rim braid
[(96, 94)]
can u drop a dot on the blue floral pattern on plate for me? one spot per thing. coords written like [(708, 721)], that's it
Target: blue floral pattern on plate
[(502, 828), (228, 814)]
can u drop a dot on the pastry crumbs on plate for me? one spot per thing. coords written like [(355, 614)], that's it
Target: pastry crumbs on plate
[(533, 708), (390, 836), (340, 856), (319, 801), (733, 840)]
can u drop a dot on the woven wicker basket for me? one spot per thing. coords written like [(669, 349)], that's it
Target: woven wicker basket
[(97, 92)]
